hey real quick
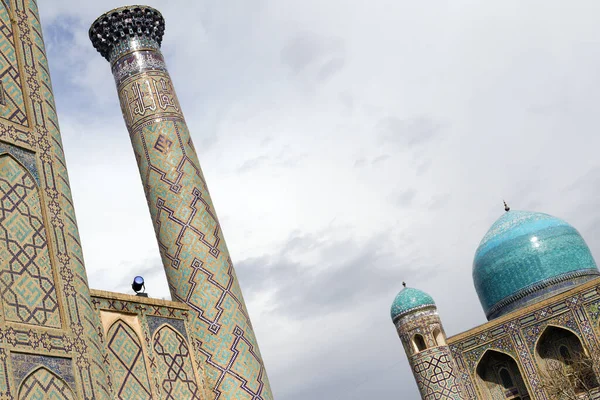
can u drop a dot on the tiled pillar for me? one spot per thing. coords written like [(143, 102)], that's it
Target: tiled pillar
[(193, 251)]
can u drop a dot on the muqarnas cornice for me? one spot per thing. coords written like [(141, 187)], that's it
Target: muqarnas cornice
[(127, 28)]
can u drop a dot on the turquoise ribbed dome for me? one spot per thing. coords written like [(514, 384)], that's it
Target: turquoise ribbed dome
[(526, 256), (410, 299)]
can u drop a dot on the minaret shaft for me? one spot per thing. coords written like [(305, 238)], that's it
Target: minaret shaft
[(196, 260)]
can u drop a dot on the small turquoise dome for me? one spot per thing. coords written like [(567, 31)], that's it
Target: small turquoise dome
[(410, 299), (526, 256)]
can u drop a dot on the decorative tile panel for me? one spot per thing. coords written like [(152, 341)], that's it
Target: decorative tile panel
[(435, 374), (128, 368), (172, 352), (26, 274), (12, 107)]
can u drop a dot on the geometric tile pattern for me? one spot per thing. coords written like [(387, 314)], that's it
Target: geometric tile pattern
[(172, 352), (46, 303), (13, 105), (577, 311), (194, 254), (26, 278), (435, 374), (43, 384), (129, 375), (433, 366), (152, 315)]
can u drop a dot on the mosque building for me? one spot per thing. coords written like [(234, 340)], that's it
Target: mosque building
[(61, 340), (539, 287)]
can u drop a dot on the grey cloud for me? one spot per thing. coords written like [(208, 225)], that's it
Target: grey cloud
[(352, 272), (309, 50), (423, 166), (288, 158), (439, 201), (253, 163), (380, 159), (266, 141), (404, 198), (347, 101), (361, 162), (589, 180), (330, 68), (407, 132)]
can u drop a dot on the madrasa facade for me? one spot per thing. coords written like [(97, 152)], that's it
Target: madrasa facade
[(58, 338), (539, 287)]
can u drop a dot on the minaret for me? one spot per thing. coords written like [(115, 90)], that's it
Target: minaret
[(419, 326), (196, 260)]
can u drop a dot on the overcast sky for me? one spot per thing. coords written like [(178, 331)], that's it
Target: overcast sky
[(348, 145)]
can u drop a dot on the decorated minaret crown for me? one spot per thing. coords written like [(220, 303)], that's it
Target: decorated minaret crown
[(142, 25)]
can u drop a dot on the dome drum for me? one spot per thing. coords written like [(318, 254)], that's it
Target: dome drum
[(541, 291)]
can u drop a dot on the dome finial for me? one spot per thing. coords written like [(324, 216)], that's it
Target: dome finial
[(404, 284), (506, 207)]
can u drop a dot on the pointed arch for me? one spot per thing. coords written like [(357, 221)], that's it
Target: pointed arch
[(562, 356), (174, 363), (499, 376), (559, 327), (27, 283), (42, 384), (127, 362)]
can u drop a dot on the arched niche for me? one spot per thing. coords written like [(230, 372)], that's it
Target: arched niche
[(174, 362), (418, 343), (127, 362), (564, 362), (438, 336), (499, 377), (44, 384)]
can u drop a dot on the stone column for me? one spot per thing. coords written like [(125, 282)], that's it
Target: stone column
[(196, 260)]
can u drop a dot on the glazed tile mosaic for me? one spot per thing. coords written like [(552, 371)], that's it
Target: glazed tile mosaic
[(191, 243), (26, 281), (43, 384), (49, 342), (58, 340), (126, 357), (148, 354), (509, 357)]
